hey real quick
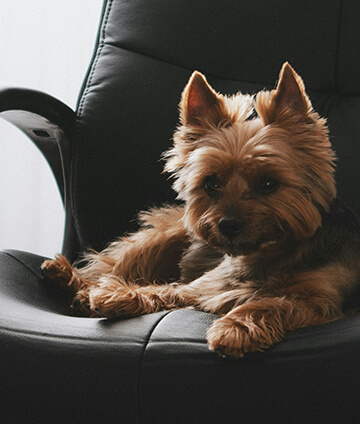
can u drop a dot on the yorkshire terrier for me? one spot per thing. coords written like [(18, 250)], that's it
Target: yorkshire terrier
[(261, 239)]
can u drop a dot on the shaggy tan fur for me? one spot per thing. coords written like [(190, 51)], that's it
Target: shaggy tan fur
[(254, 240)]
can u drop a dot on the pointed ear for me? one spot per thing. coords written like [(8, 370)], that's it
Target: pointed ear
[(200, 104), (288, 99), (290, 92)]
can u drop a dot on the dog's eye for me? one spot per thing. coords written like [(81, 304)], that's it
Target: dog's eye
[(212, 186), (267, 185)]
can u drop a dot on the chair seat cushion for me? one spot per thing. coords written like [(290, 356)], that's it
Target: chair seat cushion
[(157, 368)]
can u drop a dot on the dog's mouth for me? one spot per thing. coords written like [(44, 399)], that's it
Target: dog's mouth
[(239, 248), (240, 244), (232, 247)]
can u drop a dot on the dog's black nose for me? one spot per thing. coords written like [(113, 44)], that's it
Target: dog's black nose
[(230, 227)]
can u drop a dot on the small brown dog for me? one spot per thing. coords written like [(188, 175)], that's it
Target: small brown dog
[(261, 239)]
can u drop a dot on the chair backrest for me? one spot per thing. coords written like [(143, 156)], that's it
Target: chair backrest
[(145, 53)]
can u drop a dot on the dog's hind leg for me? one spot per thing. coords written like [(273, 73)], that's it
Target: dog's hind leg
[(151, 255)]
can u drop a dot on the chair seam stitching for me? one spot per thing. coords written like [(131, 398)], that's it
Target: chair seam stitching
[(337, 51), (96, 60), (22, 263), (141, 365), (79, 112)]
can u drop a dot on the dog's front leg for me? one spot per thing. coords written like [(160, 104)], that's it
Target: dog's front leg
[(148, 256), (262, 322), (114, 297), (250, 327)]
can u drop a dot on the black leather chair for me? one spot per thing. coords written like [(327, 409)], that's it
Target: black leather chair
[(55, 368)]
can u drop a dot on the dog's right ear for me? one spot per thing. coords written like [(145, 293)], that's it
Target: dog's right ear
[(200, 104)]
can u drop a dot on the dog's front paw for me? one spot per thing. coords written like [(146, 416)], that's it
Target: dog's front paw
[(58, 270), (228, 338), (232, 337)]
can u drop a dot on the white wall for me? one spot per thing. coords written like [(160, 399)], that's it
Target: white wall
[(45, 45)]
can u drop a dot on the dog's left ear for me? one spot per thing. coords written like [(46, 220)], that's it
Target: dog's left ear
[(287, 100), (200, 104)]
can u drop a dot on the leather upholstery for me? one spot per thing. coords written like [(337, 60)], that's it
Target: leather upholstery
[(60, 369), (146, 52), (157, 368)]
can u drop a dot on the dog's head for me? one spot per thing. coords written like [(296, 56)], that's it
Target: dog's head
[(250, 182)]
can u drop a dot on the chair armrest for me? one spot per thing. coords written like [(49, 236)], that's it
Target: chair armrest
[(47, 121)]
